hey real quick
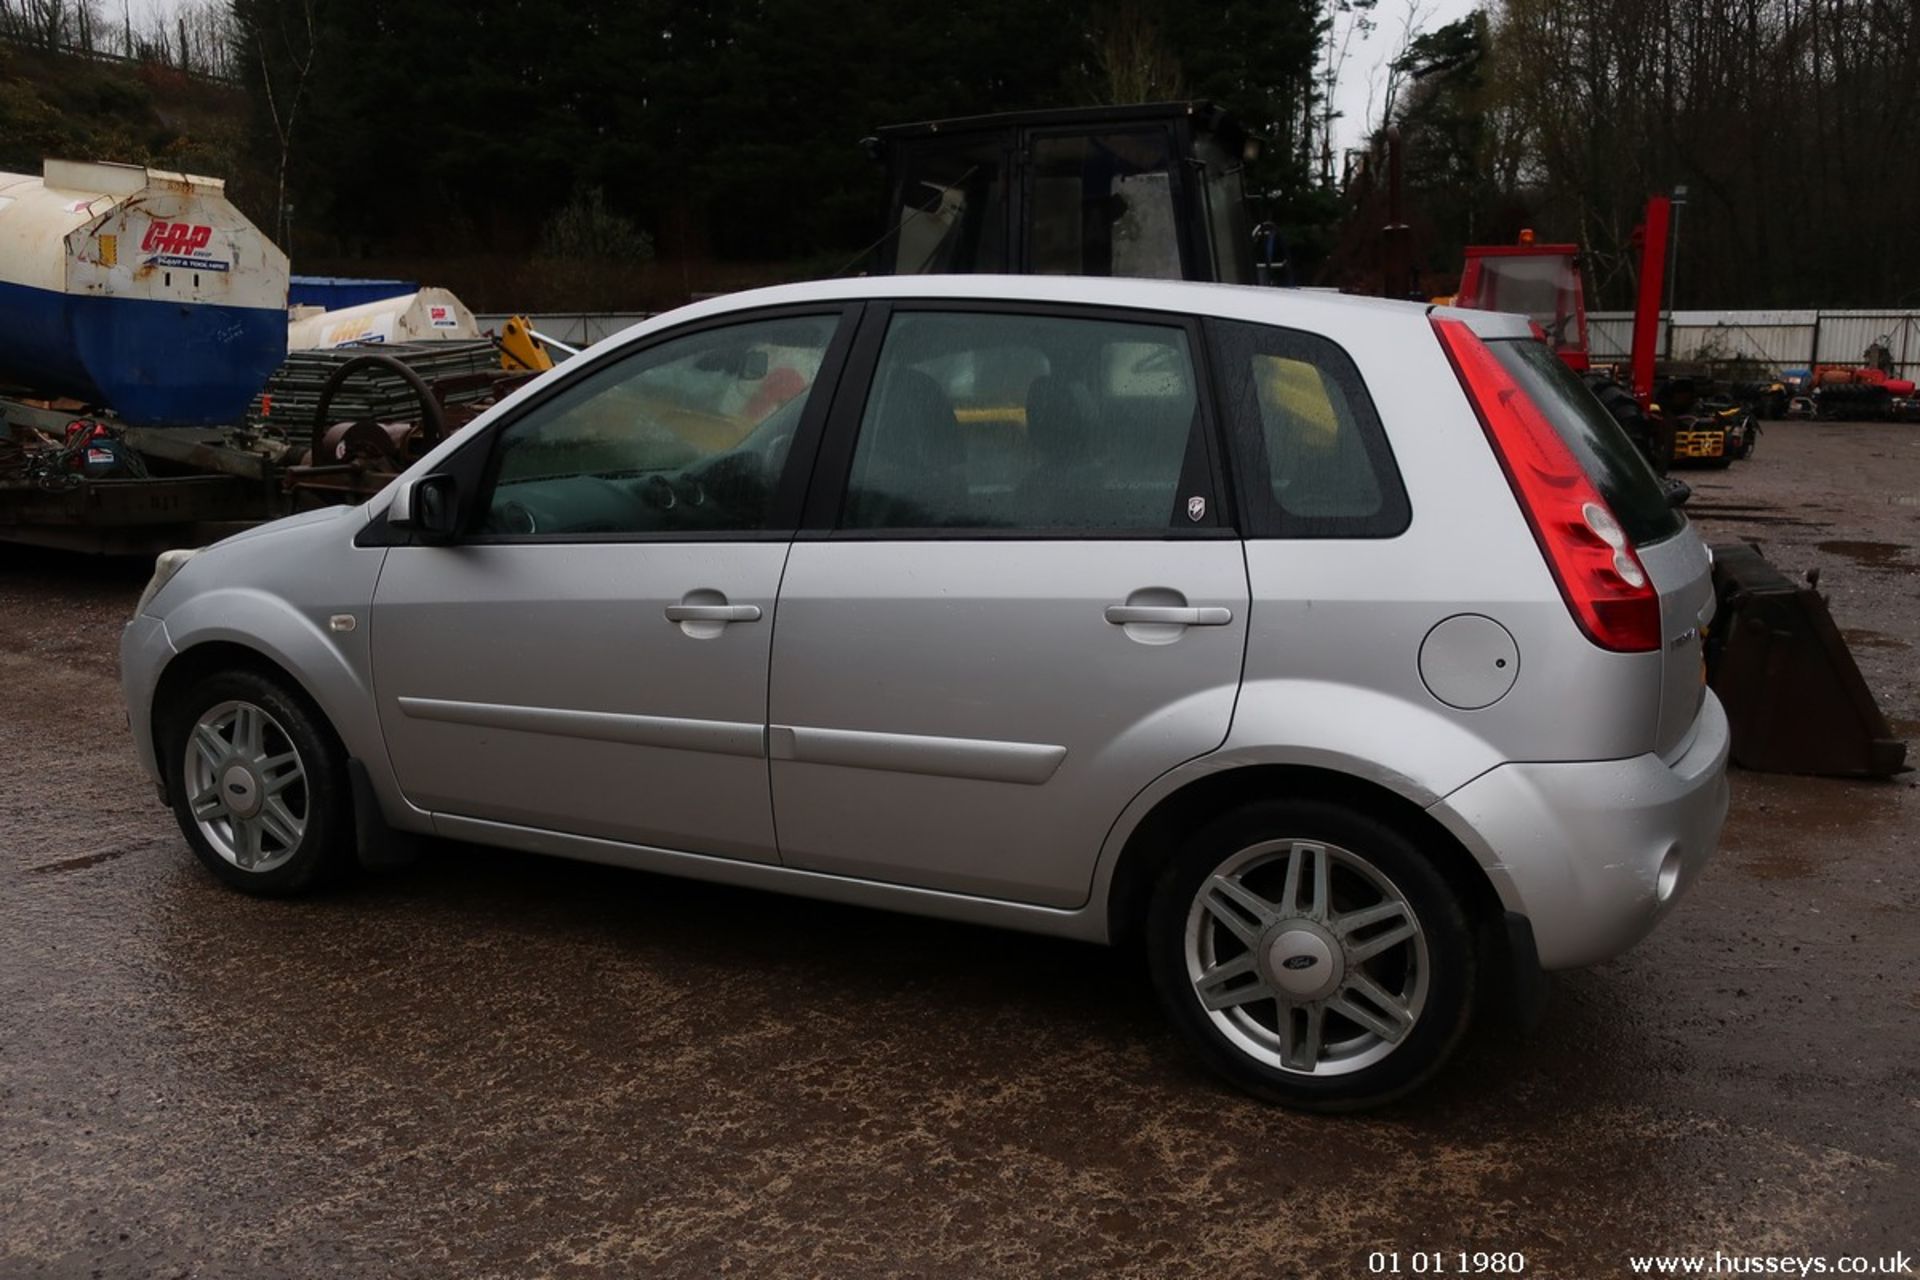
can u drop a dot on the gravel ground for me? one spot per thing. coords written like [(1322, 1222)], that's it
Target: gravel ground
[(497, 1065)]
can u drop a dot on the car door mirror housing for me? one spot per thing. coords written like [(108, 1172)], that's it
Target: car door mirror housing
[(429, 506)]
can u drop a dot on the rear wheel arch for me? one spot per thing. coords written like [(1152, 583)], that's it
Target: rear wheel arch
[(1157, 837)]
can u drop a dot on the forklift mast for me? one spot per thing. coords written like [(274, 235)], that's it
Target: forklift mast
[(1650, 239), (1153, 190)]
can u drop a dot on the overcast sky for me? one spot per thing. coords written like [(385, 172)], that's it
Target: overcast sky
[(1363, 79), (140, 10)]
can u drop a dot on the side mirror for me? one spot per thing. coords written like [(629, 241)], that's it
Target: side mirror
[(429, 506)]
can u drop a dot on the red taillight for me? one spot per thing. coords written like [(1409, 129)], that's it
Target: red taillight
[(1593, 561)]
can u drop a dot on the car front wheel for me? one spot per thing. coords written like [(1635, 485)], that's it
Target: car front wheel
[(1314, 956), (258, 784)]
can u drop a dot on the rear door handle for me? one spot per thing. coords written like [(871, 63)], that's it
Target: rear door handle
[(1122, 615), (713, 613)]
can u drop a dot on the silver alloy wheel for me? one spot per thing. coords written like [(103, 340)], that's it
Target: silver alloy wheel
[(1307, 957), (246, 787)]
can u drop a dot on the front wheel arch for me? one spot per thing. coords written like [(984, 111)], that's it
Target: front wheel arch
[(189, 667), (249, 729)]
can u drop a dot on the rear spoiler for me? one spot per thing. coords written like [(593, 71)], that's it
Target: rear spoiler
[(1486, 325)]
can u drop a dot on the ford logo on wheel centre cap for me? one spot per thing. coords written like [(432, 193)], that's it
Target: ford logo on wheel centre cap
[(1298, 962)]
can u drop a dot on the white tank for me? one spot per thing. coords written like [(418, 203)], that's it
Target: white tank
[(426, 316), (137, 290)]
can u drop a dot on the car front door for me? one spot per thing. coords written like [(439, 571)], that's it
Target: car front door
[(1015, 603), (591, 656)]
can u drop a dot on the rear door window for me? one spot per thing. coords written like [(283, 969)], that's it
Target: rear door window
[(1312, 458), (1617, 469)]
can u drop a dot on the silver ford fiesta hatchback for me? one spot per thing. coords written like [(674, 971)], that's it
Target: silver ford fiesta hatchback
[(1343, 654)]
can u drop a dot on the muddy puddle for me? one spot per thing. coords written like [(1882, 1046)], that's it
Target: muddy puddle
[(1861, 638), (1869, 555)]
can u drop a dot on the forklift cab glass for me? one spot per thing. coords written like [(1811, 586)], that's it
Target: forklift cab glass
[(1543, 287), (1229, 237), (1102, 205), (951, 213)]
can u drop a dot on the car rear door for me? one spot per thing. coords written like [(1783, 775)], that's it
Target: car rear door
[(1015, 602), (591, 656)]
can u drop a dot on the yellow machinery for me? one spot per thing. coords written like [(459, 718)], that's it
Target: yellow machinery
[(521, 349)]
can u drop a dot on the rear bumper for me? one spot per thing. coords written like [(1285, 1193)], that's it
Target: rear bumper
[(1594, 853)]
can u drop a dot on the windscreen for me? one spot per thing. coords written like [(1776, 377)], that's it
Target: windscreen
[(1543, 287), (1616, 468)]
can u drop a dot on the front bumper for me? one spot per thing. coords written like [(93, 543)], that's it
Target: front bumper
[(1594, 853), (144, 652)]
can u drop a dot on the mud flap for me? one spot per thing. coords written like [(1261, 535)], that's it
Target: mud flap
[(1526, 993), (1795, 700), (378, 845)]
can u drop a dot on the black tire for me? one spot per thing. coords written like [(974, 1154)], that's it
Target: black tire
[(1365, 1077), (1655, 445), (320, 797)]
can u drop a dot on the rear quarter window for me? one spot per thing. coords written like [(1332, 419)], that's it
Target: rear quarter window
[(1309, 452), (1618, 470)]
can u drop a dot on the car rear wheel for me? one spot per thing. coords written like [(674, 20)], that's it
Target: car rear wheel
[(1314, 956), (258, 784)]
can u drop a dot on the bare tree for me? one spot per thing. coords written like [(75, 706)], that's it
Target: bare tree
[(1350, 21), (1133, 60), (1790, 122), (1413, 21), (282, 40), (48, 20)]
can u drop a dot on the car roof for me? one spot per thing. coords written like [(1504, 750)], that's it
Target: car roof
[(1311, 309)]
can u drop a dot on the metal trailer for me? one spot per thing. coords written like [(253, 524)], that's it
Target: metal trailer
[(329, 426), (141, 314)]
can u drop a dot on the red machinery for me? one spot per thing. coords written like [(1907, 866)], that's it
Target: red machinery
[(1541, 281), (1794, 697), (1651, 239)]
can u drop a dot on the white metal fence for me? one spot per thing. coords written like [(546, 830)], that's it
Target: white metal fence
[(1777, 339)]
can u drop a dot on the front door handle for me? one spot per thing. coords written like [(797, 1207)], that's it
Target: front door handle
[(1122, 615), (713, 613)]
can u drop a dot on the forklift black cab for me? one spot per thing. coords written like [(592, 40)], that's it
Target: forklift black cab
[(1152, 190)]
